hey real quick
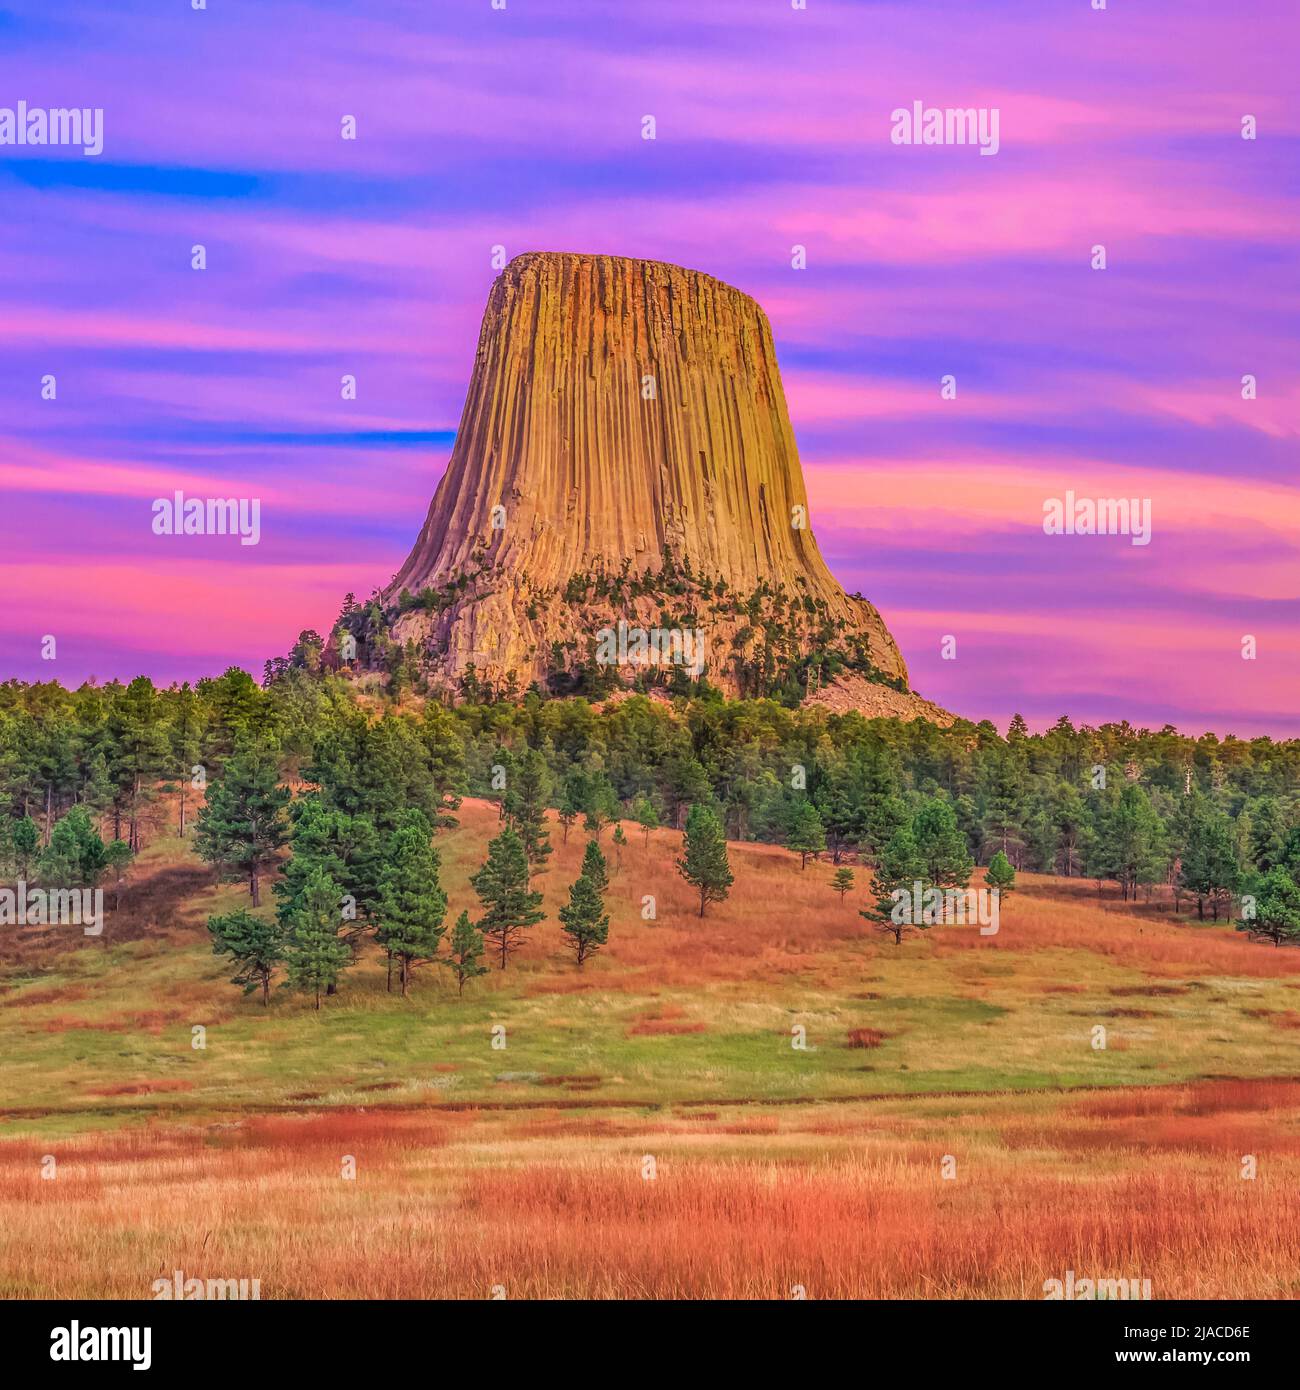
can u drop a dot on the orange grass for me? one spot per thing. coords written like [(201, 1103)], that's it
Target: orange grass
[(850, 1204)]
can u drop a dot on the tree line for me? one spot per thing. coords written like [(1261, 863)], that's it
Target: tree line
[(1216, 821)]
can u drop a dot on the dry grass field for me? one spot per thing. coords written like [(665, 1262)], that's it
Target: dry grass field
[(649, 1128)]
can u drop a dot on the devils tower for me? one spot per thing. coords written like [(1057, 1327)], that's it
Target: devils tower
[(625, 453)]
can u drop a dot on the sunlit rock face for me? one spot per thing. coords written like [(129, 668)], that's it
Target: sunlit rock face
[(620, 412)]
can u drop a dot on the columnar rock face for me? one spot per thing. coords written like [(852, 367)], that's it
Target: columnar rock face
[(619, 410)]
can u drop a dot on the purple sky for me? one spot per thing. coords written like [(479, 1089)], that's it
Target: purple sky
[(523, 128)]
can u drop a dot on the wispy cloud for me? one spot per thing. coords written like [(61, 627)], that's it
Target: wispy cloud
[(522, 129)]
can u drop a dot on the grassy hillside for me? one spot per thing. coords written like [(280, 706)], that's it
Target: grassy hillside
[(773, 1166)]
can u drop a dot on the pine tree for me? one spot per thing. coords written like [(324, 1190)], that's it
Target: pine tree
[(1004, 804), (76, 857), (97, 789), (392, 775), (243, 823), (117, 858), (239, 709), (841, 801), (412, 903), (377, 770), (601, 807), (572, 796), (620, 843), (595, 866), (1070, 821), (256, 944), (503, 778), (1130, 846), (705, 865), (466, 959), (345, 847), (56, 763), (525, 805), (884, 812), (185, 744), (842, 881), (1267, 835), (1209, 862), (806, 834), (502, 886), (315, 954), (1000, 876), (140, 753), (584, 920), (900, 869), (1182, 832), (751, 791), (316, 836), (1289, 859), (1276, 916), (26, 837), (645, 815), (445, 750), (945, 860), (687, 785)]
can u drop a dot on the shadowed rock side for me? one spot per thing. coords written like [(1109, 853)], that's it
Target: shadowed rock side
[(622, 416)]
